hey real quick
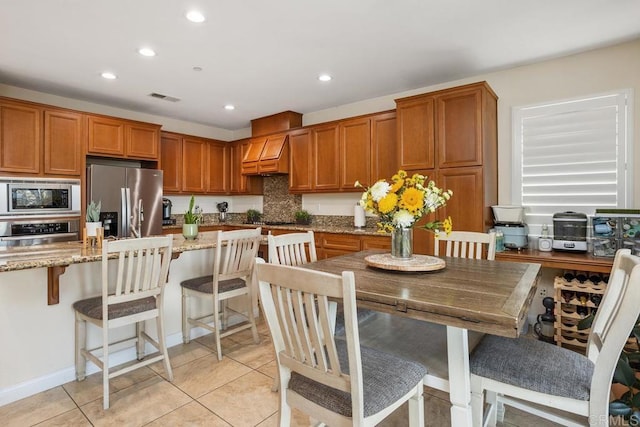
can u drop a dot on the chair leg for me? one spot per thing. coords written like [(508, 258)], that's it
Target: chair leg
[(140, 342), (186, 332), (477, 407), (252, 320), (497, 412), (105, 368), (81, 343), (416, 408), (163, 347), (224, 322), (216, 327)]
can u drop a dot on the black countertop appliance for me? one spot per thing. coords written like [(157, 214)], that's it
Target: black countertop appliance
[(166, 208)]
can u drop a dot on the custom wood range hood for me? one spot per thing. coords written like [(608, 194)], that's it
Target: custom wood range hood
[(268, 151), (266, 156)]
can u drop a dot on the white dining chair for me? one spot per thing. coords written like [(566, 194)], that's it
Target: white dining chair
[(233, 261), (131, 295), (292, 248), (466, 244), (536, 372), (336, 382)]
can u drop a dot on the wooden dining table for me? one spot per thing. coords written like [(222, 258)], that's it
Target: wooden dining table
[(491, 297)]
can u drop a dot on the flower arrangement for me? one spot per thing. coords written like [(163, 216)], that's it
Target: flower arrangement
[(404, 200)]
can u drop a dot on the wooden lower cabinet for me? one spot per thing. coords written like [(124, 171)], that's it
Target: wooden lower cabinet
[(375, 242)]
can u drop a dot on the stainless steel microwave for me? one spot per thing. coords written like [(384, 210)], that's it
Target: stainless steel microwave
[(39, 196)]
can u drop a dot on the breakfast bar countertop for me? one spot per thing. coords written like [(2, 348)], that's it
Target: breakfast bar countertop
[(316, 228), (67, 253)]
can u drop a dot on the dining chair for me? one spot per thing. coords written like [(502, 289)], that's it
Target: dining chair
[(292, 248), (466, 244), (555, 377), (421, 341), (233, 260), (131, 294), (336, 382)]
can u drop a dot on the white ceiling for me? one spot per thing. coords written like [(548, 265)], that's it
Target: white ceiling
[(264, 56)]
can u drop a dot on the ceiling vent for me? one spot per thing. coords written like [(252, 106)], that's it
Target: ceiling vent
[(164, 97)]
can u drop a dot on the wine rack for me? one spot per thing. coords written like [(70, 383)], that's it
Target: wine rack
[(577, 294)]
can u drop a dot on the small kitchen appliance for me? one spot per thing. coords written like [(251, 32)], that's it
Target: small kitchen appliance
[(223, 207), (570, 231), (508, 221), (166, 212)]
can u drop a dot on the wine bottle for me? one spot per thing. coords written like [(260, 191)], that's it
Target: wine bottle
[(595, 299), (582, 311), (569, 276), (595, 278), (581, 276)]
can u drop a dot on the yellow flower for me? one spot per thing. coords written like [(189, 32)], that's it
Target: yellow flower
[(388, 203), (447, 224), (397, 185), (412, 200)]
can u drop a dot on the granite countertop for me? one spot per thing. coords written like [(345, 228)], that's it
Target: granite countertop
[(315, 228), (66, 253)]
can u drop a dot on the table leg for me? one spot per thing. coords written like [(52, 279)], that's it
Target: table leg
[(459, 376)]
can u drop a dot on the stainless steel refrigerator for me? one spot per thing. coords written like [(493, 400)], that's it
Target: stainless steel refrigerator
[(131, 199)]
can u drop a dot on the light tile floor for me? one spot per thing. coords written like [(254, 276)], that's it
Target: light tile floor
[(205, 392)]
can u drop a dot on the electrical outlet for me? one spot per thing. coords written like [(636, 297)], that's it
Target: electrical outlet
[(542, 292)]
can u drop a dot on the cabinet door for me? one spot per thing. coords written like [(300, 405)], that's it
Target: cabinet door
[(416, 133), (194, 161), (217, 167), (63, 142), (466, 207), (106, 136), (384, 148), (459, 128), (326, 157), (20, 137), (300, 161), (142, 141), (375, 242), (339, 244), (171, 162), (355, 153), (252, 154), (238, 183)]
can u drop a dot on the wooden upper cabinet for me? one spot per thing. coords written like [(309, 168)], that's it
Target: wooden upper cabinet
[(467, 184), (121, 138), (171, 162), (20, 137), (459, 128), (218, 156), (142, 141), (194, 161), (384, 149), (326, 157), (300, 161), (416, 132), (355, 153), (252, 155), (238, 183), (63, 142), (106, 136)]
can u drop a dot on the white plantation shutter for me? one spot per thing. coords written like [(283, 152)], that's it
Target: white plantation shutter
[(572, 155)]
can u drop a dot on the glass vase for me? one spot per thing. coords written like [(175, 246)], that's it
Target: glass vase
[(402, 243)]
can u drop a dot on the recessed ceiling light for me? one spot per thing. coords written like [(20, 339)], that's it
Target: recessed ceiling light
[(145, 51), (108, 75), (229, 107), (197, 68), (195, 16), (324, 77)]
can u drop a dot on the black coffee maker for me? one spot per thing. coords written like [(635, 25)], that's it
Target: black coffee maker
[(166, 212)]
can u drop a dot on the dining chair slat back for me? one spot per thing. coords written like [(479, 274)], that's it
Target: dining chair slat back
[(467, 244)]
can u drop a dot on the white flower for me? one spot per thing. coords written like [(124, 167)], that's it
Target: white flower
[(379, 190), (403, 218)]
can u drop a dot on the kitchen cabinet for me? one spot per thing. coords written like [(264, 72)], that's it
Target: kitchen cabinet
[(451, 137), (194, 165), (171, 162), (194, 162), (267, 155), (384, 161), (64, 136), (113, 137), (355, 153), (37, 140), (239, 183), (20, 137), (326, 158), (331, 244), (375, 242), (218, 157), (333, 156)]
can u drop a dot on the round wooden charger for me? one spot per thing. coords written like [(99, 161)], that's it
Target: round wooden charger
[(415, 263)]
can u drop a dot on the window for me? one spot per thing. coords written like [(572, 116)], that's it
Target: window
[(573, 155)]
